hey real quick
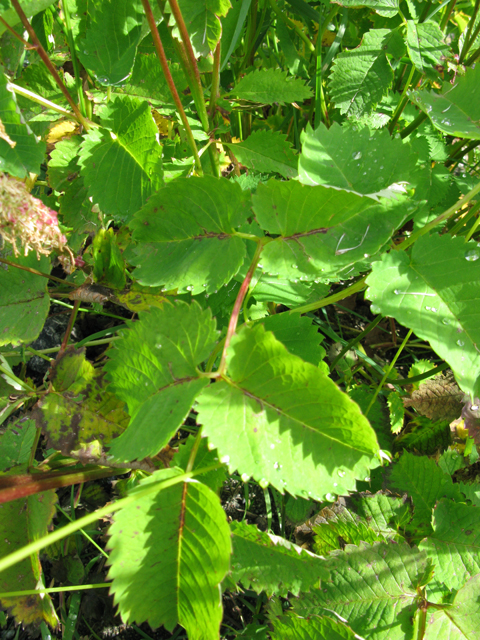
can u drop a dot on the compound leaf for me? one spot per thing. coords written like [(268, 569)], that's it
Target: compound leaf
[(386, 8), (461, 621), (292, 627), (435, 291), (187, 228), (170, 551), (456, 110), (361, 77), (283, 414), (110, 43), (121, 162), (20, 152), (271, 85), (78, 415), (257, 557), (267, 152), (453, 545), (372, 587), (362, 161), (24, 302), (425, 44), (321, 231), (202, 21), (425, 483), (23, 521), (153, 368)]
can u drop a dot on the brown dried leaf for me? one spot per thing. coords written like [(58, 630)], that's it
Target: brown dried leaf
[(471, 417), (438, 398)]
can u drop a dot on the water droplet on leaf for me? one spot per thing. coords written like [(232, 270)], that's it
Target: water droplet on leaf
[(471, 255)]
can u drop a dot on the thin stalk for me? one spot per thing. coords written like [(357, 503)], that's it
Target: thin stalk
[(36, 592), (137, 494), (237, 307), (281, 15), (356, 340), (475, 224), (84, 533), (194, 451), (9, 375), (15, 34), (387, 372), (447, 14), (443, 216), (467, 43), (473, 58), (402, 102), (413, 125), (44, 56), (422, 376), (73, 53), (215, 82), (171, 84), (463, 152), (21, 91), (463, 221), (71, 322), (336, 297), (37, 273)]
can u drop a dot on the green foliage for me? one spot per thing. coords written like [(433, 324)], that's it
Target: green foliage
[(228, 204)]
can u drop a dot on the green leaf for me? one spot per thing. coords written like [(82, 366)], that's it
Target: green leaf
[(292, 627), (384, 513), (321, 232), (110, 43), (20, 152), (373, 587), (202, 21), (298, 334), (153, 368), (170, 551), (30, 7), (78, 415), (63, 165), (267, 152), (425, 44), (271, 85), (232, 26), (275, 414), (257, 557), (453, 545), (16, 443), (361, 77), (396, 411), (21, 522), (425, 483), (121, 164), (195, 230), (461, 621), (204, 458), (362, 161), (24, 302), (108, 267), (386, 8), (456, 110), (284, 291), (434, 291), (377, 415), (343, 528), (425, 436)]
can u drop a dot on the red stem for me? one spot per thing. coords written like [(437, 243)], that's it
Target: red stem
[(232, 325), (44, 56)]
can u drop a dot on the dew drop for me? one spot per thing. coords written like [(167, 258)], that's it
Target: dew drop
[(357, 156), (263, 483), (397, 292), (245, 477), (190, 287), (225, 459), (445, 321), (341, 473), (471, 255), (428, 308), (460, 343), (276, 465), (85, 52), (474, 407), (434, 310), (158, 346), (272, 446), (330, 497), (294, 266), (367, 479)]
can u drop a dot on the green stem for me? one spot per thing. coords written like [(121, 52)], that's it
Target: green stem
[(59, 534), (473, 58), (356, 340), (336, 297), (215, 82), (413, 125), (289, 23), (443, 216), (467, 43), (44, 56), (387, 372), (171, 84), (194, 451), (463, 221), (36, 592), (447, 14), (71, 322), (475, 224), (402, 102), (237, 307), (73, 53)]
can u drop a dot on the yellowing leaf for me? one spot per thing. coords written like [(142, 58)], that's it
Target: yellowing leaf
[(61, 130)]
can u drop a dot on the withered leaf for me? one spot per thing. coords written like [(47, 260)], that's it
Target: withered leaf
[(438, 398)]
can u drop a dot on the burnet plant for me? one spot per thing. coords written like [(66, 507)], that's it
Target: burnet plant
[(222, 170)]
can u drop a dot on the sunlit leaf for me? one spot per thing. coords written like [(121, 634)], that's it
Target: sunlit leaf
[(271, 85)]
